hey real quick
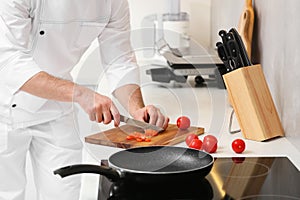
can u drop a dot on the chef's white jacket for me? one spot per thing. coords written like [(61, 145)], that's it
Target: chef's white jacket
[(51, 36)]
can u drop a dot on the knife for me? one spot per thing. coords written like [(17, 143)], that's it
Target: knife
[(233, 51), (222, 52), (241, 46), (140, 124)]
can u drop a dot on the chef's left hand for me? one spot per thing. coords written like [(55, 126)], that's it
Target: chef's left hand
[(152, 115)]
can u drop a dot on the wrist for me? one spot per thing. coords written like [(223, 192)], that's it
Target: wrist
[(78, 93)]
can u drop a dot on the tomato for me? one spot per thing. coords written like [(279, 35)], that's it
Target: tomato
[(141, 137), (183, 122), (130, 137), (238, 145), (210, 137), (196, 144), (210, 144), (190, 137)]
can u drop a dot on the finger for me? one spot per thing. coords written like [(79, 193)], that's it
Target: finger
[(92, 116), (99, 116), (152, 111), (166, 123), (115, 115), (160, 119), (107, 117)]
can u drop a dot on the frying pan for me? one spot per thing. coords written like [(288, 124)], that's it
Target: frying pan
[(149, 165)]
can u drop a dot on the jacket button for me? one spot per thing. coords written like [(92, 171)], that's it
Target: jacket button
[(42, 32), (14, 105)]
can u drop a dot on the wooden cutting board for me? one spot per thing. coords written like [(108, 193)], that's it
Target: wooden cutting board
[(116, 137)]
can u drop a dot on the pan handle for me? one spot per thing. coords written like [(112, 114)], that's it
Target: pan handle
[(108, 172)]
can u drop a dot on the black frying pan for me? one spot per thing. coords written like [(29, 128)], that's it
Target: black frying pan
[(149, 164)]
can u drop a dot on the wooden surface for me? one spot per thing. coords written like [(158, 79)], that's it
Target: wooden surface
[(253, 104), (116, 137), (246, 24)]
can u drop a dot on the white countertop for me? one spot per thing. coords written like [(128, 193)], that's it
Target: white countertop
[(207, 107)]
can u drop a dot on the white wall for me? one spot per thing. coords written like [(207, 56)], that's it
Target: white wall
[(88, 71), (225, 14), (277, 48), (199, 11)]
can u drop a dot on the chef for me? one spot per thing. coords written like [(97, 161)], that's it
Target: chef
[(40, 42)]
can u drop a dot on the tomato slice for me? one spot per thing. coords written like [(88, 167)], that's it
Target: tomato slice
[(142, 137), (130, 137)]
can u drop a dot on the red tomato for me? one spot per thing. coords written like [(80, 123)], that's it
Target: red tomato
[(238, 145), (210, 137), (196, 144), (210, 144), (130, 137), (183, 122), (141, 137), (190, 137)]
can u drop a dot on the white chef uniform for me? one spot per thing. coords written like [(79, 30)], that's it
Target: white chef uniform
[(51, 36)]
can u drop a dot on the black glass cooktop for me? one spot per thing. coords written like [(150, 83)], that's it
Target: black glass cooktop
[(230, 178)]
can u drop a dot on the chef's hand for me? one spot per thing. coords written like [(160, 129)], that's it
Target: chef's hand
[(100, 108), (152, 115)]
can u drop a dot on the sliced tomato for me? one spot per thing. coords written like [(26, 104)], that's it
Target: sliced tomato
[(142, 137), (130, 137)]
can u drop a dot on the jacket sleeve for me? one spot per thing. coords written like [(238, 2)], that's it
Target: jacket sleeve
[(16, 62), (117, 55)]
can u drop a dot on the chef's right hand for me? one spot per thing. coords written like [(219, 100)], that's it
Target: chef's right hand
[(100, 108)]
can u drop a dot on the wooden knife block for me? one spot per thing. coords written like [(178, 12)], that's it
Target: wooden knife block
[(252, 102)]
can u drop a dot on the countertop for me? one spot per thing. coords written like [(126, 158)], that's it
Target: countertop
[(207, 107)]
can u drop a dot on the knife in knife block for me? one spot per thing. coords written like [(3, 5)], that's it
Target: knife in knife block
[(253, 104)]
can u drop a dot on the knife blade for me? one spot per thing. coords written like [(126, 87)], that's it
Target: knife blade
[(140, 124)]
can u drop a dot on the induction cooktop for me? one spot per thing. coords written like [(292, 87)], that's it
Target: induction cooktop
[(269, 178)]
